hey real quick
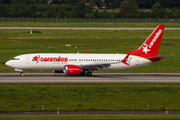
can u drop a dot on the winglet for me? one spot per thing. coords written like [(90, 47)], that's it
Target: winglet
[(125, 59), (86, 51)]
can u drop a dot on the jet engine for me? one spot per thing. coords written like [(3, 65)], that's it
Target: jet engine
[(57, 71), (72, 70)]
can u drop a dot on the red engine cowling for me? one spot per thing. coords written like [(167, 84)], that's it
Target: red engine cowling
[(72, 70), (57, 71)]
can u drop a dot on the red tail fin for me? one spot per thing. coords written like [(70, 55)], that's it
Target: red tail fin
[(151, 46)]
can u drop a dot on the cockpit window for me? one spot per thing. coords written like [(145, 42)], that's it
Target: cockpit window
[(16, 59)]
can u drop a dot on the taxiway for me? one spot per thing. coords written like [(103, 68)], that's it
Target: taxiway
[(96, 78)]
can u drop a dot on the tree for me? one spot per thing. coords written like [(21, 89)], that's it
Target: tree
[(51, 13), (132, 6), (123, 7), (127, 7), (157, 10), (99, 3), (20, 1), (175, 11), (164, 3), (74, 2), (5, 1), (96, 14), (33, 10), (90, 7), (145, 3), (4, 10), (58, 1), (115, 3), (82, 8), (169, 3), (156, 7), (20, 10), (61, 12), (43, 1), (107, 3)]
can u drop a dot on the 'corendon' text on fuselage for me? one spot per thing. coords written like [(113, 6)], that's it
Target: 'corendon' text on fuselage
[(49, 59)]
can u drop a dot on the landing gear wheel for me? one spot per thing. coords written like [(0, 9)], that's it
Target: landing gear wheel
[(82, 73), (22, 74), (89, 73)]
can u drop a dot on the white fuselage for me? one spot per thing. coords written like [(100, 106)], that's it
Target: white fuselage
[(49, 61)]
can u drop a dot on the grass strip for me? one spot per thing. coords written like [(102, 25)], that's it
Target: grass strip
[(22, 97), (22, 34), (90, 116), (87, 24)]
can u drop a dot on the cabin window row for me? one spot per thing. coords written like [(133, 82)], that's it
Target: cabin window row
[(16, 59), (101, 60)]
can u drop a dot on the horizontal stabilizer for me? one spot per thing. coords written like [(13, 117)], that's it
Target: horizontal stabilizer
[(157, 58)]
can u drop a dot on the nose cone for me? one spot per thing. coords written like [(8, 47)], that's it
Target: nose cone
[(9, 63)]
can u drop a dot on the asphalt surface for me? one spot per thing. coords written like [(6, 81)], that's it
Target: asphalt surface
[(89, 28), (96, 78)]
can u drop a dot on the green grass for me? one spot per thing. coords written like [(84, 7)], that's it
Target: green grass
[(17, 97), (85, 24), (16, 42), (84, 34), (88, 116)]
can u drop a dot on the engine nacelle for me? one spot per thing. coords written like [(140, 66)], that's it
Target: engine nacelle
[(57, 71), (72, 70)]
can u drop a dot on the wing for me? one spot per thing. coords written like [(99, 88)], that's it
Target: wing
[(97, 67), (101, 66)]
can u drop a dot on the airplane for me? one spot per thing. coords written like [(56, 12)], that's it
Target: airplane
[(83, 64)]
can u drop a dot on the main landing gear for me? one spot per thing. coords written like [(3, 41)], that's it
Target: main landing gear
[(84, 73), (22, 74), (89, 73)]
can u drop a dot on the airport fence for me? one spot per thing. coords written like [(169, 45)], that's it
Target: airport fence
[(24, 19)]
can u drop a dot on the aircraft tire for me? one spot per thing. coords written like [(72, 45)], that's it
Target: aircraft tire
[(89, 73), (22, 74), (82, 73)]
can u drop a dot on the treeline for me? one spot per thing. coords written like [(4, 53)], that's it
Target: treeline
[(90, 8), (147, 4)]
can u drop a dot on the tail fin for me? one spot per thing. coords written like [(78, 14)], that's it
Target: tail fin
[(151, 46)]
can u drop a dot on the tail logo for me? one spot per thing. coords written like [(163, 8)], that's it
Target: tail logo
[(155, 38), (145, 49)]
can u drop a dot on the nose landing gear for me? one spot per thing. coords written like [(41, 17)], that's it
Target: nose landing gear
[(22, 74)]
